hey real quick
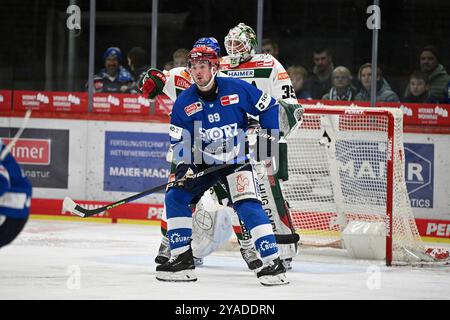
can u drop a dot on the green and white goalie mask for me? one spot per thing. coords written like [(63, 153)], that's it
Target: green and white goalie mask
[(240, 44), (290, 117)]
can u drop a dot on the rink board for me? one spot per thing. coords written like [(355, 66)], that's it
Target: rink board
[(100, 159)]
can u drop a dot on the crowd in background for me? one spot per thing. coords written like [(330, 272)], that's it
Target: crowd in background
[(428, 83)]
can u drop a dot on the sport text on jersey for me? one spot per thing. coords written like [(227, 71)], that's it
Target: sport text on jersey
[(222, 144)]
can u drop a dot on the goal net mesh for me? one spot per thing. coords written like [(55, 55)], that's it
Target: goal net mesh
[(339, 172)]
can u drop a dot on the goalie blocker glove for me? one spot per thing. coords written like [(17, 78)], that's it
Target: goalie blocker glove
[(291, 116), (152, 83)]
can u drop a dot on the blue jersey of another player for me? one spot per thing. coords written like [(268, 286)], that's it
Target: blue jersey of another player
[(220, 124), (15, 189)]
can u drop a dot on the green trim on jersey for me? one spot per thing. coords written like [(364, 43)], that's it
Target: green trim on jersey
[(249, 73)]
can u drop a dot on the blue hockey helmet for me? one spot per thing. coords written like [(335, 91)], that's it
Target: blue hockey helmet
[(209, 42), (113, 51)]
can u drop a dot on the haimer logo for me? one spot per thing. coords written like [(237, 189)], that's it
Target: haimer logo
[(241, 73)]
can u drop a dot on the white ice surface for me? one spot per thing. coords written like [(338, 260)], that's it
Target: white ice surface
[(115, 261)]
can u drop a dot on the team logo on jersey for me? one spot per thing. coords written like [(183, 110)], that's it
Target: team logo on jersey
[(231, 99), (193, 108), (283, 76), (181, 82), (241, 73), (241, 183), (175, 132), (263, 102)]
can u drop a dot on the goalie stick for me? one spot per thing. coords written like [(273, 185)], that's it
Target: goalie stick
[(70, 205), (11, 144)]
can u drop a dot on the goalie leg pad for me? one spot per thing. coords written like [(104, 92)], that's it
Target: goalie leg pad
[(210, 230), (276, 209), (243, 186)]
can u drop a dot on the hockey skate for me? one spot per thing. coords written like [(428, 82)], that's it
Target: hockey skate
[(273, 274), (287, 263), (198, 261), (179, 268), (163, 252), (251, 258)]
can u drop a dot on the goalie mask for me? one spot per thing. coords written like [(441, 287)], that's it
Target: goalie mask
[(240, 44)]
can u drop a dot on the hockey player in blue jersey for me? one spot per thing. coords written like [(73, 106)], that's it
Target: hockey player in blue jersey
[(213, 112), (15, 199)]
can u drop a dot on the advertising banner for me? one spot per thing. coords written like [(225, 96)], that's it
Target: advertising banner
[(43, 154), (419, 174), (50, 101), (5, 100), (163, 105), (414, 113), (135, 161), (120, 103), (427, 174)]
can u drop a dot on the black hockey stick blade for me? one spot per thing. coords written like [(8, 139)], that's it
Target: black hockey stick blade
[(287, 238), (70, 205)]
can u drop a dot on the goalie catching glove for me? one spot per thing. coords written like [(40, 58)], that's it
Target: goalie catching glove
[(291, 116), (152, 83)]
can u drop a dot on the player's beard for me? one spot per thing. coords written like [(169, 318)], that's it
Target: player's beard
[(206, 85)]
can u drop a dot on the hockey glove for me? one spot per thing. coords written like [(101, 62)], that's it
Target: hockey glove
[(184, 173), (152, 83), (291, 116)]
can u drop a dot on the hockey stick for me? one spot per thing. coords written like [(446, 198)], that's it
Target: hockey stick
[(11, 144), (70, 205), (287, 238)]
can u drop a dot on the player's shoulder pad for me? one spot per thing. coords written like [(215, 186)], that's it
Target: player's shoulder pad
[(263, 59), (180, 77), (187, 103)]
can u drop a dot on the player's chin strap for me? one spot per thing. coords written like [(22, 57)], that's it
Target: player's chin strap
[(209, 85)]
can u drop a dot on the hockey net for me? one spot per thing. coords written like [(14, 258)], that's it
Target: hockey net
[(346, 164)]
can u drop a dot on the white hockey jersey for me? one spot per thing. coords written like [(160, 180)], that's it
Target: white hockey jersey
[(266, 73), (263, 71)]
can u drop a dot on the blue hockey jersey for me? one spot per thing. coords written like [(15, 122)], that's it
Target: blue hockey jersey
[(218, 128), (15, 189)]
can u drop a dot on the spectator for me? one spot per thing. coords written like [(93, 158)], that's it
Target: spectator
[(168, 65), (180, 57), (114, 77), (342, 89), (137, 57), (384, 91), (271, 47), (419, 89), (298, 74), (437, 75), (320, 80), (136, 61)]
